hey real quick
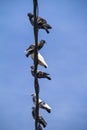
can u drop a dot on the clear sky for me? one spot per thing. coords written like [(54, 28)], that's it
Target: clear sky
[(65, 52)]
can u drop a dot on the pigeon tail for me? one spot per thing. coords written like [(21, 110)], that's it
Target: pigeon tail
[(45, 65), (48, 26), (48, 110), (44, 125), (42, 121), (27, 55), (47, 30), (48, 77)]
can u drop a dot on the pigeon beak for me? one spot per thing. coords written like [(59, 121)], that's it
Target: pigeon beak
[(32, 94)]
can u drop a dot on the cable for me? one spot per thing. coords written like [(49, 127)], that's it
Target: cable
[(36, 84)]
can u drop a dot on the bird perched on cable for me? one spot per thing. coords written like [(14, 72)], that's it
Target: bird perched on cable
[(41, 120), (41, 23), (30, 51), (42, 104), (41, 60), (31, 48), (40, 74)]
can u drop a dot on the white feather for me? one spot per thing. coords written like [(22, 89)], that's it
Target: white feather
[(41, 60)]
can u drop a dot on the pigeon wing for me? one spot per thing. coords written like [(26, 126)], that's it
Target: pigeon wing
[(41, 61), (45, 106), (41, 21), (42, 121)]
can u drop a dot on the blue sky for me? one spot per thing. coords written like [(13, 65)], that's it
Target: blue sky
[(65, 52)]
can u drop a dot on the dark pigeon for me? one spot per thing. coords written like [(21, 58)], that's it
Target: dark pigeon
[(40, 74), (31, 48), (41, 120), (42, 23)]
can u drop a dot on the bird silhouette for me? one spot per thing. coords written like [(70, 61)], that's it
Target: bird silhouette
[(31, 48), (40, 74), (41, 23), (42, 104), (41, 60), (41, 120)]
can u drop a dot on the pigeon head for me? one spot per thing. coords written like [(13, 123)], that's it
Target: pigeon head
[(32, 67), (33, 108), (33, 94), (30, 15), (43, 41)]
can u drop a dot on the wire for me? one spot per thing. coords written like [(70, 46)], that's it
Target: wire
[(36, 84)]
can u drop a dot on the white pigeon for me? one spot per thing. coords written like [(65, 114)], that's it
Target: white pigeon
[(42, 104), (41, 60)]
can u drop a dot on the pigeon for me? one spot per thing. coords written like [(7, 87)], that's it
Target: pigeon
[(41, 60), (42, 104), (41, 23), (41, 120), (31, 48), (40, 74)]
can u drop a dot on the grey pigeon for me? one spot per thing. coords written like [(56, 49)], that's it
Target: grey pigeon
[(42, 23), (41, 120), (31, 48), (42, 104), (40, 74)]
